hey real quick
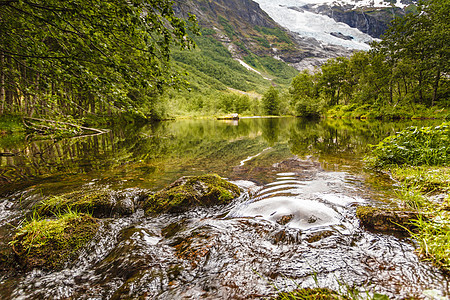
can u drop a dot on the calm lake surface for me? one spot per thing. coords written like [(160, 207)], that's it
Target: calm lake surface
[(294, 226)]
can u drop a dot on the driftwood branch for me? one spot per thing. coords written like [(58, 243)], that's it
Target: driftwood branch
[(96, 130), (7, 154)]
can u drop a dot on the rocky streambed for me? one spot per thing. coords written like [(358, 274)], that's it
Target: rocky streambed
[(218, 240)]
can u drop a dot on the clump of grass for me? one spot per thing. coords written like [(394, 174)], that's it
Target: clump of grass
[(434, 239), (48, 243), (414, 146)]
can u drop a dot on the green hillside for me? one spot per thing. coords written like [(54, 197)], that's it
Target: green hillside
[(217, 83)]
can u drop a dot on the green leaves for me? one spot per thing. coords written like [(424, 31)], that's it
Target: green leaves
[(414, 146), (96, 47)]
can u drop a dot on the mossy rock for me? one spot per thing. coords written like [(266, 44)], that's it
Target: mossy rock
[(191, 191), (48, 244), (99, 203), (382, 219)]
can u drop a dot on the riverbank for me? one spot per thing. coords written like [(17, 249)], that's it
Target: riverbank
[(366, 111), (418, 159)]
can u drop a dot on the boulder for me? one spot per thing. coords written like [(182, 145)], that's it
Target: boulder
[(190, 191), (382, 219), (49, 243), (99, 203)]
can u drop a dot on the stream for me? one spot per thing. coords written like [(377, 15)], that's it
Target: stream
[(294, 225)]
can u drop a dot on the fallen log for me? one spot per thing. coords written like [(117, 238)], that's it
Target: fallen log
[(96, 130), (7, 154)]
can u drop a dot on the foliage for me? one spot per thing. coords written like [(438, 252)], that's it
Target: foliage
[(214, 66), (305, 96), (414, 146), (403, 76), (82, 57), (271, 102), (10, 123)]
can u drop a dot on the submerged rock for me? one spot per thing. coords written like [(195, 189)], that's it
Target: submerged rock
[(382, 219), (48, 244), (99, 203), (189, 191)]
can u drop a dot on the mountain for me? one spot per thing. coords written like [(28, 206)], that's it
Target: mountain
[(264, 36)]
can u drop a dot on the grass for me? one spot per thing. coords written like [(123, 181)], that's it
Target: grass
[(414, 146), (48, 243), (419, 160), (434, 239)]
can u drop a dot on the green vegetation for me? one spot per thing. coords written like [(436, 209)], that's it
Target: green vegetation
[(271, 102), (414, 146), (87, 57), (10, 124), (327, 294), (192, 191), (418, 158), (47, 244), (403, 76), (309, 294)]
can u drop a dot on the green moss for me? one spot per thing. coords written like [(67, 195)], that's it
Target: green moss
[(98, 203), (47, 244), (309, 293), (192, 191)]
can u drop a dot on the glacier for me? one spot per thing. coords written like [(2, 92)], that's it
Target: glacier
[(290, 15)]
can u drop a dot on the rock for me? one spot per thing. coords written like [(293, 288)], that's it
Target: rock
[(285, 219), (341, 36), (191, 191), (382, 219), (48, 244), (99, 203)]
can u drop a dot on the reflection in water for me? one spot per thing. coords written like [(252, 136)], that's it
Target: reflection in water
[(294, 223), (156, 154)]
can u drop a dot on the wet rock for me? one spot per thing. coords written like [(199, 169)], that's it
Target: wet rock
[(317, 236), (296, 164), (285, 219), (99, 203), (286, 236), (382, 219), (194, 247), (48, 244), (189, 191)]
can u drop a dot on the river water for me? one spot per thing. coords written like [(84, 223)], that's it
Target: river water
[(293, 226)]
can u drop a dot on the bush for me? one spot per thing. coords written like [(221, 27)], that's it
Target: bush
[(414, 146)]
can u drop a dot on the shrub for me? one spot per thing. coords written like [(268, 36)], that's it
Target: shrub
[(414, 146)]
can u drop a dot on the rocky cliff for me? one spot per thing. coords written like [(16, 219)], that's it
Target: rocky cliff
[(245, 29), (373, 21)]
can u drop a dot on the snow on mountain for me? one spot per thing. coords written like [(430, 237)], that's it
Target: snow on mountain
[(291, 15)]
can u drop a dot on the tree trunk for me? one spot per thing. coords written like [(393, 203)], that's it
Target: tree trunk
[(436, 86), (2, 82)]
